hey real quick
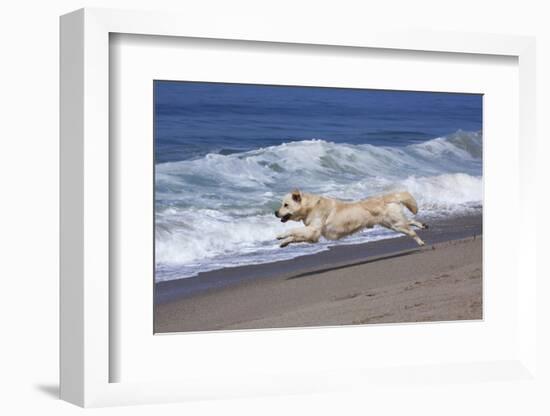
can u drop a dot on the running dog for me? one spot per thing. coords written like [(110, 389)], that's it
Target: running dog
[(334, 219)]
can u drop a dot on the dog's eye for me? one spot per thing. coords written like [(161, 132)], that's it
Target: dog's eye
[(286, 205)]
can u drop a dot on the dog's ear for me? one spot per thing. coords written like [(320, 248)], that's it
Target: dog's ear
[(296, 195)]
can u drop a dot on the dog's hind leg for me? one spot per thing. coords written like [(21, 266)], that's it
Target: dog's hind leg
[(397, 221), (407, 231)]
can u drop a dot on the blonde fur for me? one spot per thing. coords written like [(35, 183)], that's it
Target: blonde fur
[(335, 219)]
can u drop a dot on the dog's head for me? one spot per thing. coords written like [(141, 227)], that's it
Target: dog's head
[(291, 207)]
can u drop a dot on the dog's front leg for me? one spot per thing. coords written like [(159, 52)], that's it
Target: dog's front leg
[(300, 235), (289, 233), (286, 241)]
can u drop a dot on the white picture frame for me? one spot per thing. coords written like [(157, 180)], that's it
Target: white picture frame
[(85, 353)]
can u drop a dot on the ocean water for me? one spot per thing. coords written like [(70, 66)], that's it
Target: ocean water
[(227, 153)]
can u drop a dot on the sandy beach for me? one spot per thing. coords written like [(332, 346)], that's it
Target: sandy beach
[(387, 281)]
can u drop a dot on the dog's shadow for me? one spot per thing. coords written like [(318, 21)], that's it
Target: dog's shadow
[(359, 263)]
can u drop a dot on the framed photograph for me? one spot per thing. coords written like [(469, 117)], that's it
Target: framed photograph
[(228, 251), (273, 212)]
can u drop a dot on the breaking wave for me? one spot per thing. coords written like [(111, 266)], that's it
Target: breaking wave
[(217, 211)]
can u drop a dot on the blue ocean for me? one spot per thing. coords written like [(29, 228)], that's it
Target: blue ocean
[(225, 154)]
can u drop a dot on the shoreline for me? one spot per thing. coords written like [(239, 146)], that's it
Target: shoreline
[(336, 256)]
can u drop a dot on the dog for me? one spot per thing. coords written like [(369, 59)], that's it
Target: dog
[(335, 219)]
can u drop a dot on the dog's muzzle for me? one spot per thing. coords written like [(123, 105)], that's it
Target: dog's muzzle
[(284, 218)]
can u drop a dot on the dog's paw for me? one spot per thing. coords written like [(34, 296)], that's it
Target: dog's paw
[(281, 236)]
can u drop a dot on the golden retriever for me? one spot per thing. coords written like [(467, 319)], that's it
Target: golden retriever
[(334, 219)]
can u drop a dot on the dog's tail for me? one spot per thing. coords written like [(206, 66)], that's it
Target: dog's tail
[(404, 198)]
